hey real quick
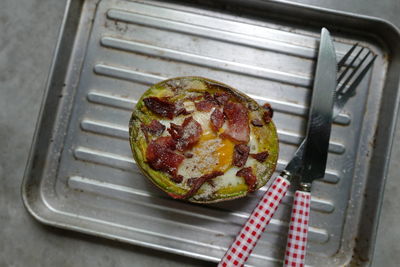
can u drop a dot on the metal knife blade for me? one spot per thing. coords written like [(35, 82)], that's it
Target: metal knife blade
[(321, 110)]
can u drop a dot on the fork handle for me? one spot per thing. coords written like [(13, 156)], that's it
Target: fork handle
[(245, 241), (298, 230)]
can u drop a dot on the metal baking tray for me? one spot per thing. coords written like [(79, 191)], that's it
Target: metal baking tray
[(81, 175)]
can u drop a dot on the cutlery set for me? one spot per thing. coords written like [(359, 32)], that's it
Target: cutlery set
[(330, 93)]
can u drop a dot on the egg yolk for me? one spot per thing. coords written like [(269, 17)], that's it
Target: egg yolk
[(221, 152)]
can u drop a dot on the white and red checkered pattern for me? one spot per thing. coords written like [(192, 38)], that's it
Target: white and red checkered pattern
[(298, 229), (247, 238)]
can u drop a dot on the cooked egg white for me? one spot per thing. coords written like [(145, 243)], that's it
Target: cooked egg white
[(211, 153)]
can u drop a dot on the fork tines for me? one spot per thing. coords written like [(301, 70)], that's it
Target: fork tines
[(348, 81)]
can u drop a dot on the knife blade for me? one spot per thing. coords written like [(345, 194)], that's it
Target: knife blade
[(320, 114), (297, 164), (315, 150)]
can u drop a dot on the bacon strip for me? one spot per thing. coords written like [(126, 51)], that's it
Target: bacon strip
[(207, 104), (175, 130), (260, 157), (153, 128), (240, 155), (249, 177), (237, 116), (217, 119), (204, 105), (160, 155), (210, 98), (187, 134), (160, 106), (221, 97), (196, 183)]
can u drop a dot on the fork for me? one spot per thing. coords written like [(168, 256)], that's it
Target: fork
[(245, 241), (343, 92)]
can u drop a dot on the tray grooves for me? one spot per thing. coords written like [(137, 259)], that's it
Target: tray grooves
[(106, 158), (111, 100), (227, 31), (224, 23), (205, 61), (210, 33), (222, 217)]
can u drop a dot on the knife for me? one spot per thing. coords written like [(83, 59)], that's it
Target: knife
[(315, 150), (239, 251)]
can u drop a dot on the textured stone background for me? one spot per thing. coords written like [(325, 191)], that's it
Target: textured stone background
[(28, 32)]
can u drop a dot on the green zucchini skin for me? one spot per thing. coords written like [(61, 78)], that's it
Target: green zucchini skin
[(178, 88)]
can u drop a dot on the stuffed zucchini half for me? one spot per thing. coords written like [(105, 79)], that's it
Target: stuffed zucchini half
[(203, 141)]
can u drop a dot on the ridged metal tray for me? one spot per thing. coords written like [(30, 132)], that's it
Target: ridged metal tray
[(81, 174)]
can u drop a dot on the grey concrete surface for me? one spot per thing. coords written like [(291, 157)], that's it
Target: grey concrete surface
[(28, 31)]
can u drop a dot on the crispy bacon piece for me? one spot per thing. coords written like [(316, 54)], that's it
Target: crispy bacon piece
[(268, 113), (249, 177), (160, 155), (175, 130), (240, 155), (257, 122), (196, 183), (164, 142), (191, 134), (154, 128), (209, 97), (217, 119), (187, 134), (221, 98), (237, 116), (204, 105), (207, 104), (260, 157), (161, 106)]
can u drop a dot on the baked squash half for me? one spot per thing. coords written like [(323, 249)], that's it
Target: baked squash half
[(203, 141)]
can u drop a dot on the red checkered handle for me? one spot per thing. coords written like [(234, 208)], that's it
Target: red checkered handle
[(247, 238), (298, 229)]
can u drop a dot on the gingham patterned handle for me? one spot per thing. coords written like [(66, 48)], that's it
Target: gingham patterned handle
[(247, 238), (298, 230)]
